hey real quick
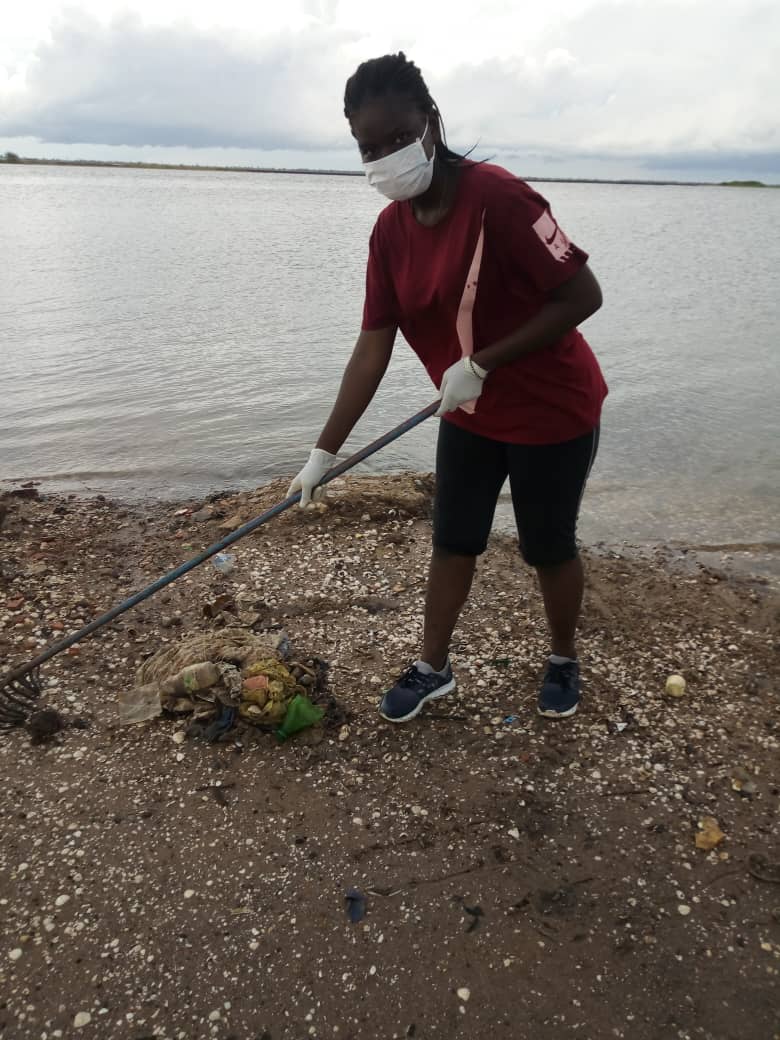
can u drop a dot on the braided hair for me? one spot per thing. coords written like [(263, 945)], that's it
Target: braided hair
[(395, 74)]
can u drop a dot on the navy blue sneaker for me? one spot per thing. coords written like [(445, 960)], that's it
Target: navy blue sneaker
[(560, 692), (412, 690)]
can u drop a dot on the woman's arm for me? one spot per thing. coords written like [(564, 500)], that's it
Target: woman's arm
[(568, 306), (359, 383)]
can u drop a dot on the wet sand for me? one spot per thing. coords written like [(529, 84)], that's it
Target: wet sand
[(523, 877)]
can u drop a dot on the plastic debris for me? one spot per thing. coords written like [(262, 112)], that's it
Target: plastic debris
[(224, 562), (742, 782), (220, 678), (356, 905), (301, 713), (190, 680), (709, 834), (139, 704), (675, 686), (220, 725), (475, 913), (761, 868)]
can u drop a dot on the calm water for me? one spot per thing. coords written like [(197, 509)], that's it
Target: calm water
[(178, 332)]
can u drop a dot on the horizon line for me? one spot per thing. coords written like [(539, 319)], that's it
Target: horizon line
[(19, 160)]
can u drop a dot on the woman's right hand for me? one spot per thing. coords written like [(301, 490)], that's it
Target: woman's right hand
[(319, 463)]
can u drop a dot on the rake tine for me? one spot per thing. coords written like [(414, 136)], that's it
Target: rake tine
[(12, 714), (11, 702), (24, 683), (17, 698)]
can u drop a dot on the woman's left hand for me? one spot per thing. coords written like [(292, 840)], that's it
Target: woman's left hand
[(461, 383)]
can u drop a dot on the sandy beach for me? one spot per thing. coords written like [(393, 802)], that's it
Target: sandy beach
[(519, 877)]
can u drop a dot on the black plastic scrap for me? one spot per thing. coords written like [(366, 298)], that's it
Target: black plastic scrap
[(474, 912), (356, 905), (220, 725)]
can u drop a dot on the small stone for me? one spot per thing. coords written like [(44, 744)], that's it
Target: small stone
[(83, 1018), (14, 955), (675, 686), (683, 910), (464, 994), (513, 832), (180, 756), (61, 900), (344, 733), (189, 893), (179, 736), (215, 1016)]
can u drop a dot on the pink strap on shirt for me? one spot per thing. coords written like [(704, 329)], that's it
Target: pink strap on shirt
[(464, 323)]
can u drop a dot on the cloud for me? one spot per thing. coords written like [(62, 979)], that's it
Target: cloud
[(127, 83), (664, 83), (632, 79)]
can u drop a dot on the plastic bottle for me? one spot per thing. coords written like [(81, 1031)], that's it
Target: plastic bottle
[(224, 562)]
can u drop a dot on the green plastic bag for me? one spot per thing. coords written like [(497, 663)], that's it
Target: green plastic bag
[(301, 713)]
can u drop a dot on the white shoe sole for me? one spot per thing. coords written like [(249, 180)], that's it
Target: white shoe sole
[(442, 691), (556, 714)]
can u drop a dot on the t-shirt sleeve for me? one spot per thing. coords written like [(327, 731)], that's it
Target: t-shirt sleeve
[(381, 305), (529, 239)]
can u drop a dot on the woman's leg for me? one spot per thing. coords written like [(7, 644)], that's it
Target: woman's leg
[(562, 586), (548, 482), (449, 581), (470, 471)]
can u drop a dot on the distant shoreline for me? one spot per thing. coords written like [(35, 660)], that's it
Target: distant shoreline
[(105, 163)]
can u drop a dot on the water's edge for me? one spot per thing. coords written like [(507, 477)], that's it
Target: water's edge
[(757, 562)]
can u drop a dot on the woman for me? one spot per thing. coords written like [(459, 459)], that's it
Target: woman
[(470, 264)]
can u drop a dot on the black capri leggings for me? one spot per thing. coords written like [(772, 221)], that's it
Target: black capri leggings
[(547, 482)]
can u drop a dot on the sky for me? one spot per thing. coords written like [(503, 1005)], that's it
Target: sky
[(640, 89)]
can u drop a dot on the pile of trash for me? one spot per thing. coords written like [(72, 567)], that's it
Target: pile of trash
[(220, 679)]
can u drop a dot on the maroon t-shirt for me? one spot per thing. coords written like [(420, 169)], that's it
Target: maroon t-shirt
[(473, 279)]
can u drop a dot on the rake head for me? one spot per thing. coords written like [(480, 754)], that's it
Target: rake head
[(18, 695)]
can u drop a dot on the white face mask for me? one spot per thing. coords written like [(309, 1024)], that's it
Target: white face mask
[(404, 174)]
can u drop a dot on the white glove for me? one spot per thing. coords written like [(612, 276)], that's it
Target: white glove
[(462, 382), (312, 473)]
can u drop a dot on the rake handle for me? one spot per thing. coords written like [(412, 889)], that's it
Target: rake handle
[(216, 547)]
